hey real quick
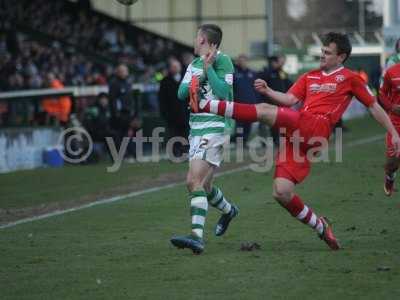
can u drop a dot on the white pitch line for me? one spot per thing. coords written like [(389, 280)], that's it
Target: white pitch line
[(364, 141), (111, 200), (155, 189)]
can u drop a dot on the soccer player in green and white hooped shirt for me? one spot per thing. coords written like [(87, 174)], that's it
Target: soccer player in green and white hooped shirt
[(395, 57), (391, 60), (214, 70)]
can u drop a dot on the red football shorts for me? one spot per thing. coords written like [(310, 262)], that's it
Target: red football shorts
[(301, 131)]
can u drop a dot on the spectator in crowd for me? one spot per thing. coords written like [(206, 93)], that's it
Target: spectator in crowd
[(121, 100), (75, 29), (278, 80), (375, 78), (173, 110), (97, 121), (151, 78), (3, 113), (243, 92), (274, 74), (134, 126), (187, 58), (58, 107), (27, 68)]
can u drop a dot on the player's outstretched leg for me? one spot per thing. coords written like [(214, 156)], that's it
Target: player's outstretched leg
[(229, 211), (391, 166), (262, 112), (283, 193), (198, 211)]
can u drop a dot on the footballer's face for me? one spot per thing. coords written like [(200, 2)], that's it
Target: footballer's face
[(199, 42), (330, 59)]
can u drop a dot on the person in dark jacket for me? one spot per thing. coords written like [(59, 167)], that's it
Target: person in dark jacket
[(97, 121), (278, 80), (174, 111), (243, 92), (121, 100)]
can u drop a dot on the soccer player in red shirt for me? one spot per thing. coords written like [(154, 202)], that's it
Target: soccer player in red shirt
[(389, 95), (325, 94)]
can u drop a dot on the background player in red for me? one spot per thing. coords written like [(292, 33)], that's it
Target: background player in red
[(325, 94), (389, 95)]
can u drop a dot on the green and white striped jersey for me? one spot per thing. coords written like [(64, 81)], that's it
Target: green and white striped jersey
[(392, 60), (216, 84)]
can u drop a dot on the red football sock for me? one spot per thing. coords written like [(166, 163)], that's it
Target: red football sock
[(238, 111), (303, 213)]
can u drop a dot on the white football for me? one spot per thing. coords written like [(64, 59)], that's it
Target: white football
[(127, 2)]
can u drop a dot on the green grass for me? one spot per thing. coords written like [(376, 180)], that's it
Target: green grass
[(33, 187), (122, 250)]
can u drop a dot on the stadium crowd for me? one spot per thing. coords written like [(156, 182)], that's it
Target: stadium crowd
[(79, 45), (30, 63)]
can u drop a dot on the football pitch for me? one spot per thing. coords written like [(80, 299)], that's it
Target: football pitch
[(121, 250)]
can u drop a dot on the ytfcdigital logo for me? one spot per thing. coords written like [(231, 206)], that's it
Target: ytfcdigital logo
[(78, 146)]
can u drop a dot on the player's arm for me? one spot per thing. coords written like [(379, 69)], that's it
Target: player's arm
[(183, 90), (384, 93), (220, 77), (381, 116), (362, 92), (279, 98), (219, 74), (296, 93)]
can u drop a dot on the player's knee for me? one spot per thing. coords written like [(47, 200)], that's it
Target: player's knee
[(263, 108), (193, 184), (281, 194), (264, 111)]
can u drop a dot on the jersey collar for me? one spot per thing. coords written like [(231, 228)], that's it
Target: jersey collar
[(332, 72), (203, 56)]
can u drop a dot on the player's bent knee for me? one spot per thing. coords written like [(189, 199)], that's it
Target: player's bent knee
[(266, 113), (263, 108), (281, 195), (192, 184)]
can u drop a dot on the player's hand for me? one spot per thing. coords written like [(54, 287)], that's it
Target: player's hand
[(210, 56), (261, 86), (396, 109), (396, 144)]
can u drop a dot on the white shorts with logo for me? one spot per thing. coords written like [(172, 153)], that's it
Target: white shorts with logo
[(209, 147)]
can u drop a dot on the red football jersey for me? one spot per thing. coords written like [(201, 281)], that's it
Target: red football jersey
[(389, 93), (329, 94)]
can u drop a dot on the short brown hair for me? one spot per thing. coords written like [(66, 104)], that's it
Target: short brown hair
[(342, 42), (213, 33)]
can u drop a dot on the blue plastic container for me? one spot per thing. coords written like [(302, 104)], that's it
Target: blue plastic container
[(53, 158)]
